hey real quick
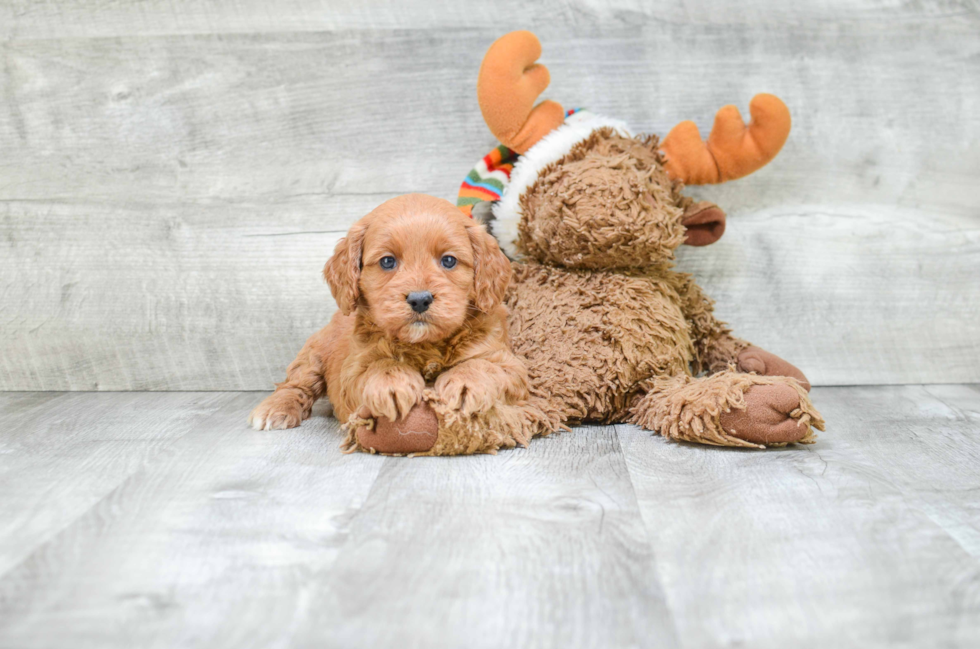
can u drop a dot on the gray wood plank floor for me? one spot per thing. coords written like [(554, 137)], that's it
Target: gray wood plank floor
[(160, 520)]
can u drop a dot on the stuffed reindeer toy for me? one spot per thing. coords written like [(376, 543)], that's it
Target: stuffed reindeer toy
[(590, 216)]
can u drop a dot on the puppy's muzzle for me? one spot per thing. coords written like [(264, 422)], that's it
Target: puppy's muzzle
[(419, 301)]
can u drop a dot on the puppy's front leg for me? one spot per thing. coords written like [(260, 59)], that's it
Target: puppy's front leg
[(390, 389), (477, 384), (292, 402)]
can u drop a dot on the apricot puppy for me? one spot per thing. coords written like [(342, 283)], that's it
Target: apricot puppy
[(419, 286)]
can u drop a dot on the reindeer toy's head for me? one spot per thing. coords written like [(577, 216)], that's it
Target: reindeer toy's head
[(579, 190)]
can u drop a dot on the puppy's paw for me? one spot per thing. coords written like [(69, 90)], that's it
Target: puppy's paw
[(393, 393), (277, 412), (466, 393)]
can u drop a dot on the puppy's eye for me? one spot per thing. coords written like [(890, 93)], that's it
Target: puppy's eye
[(448, 261), (387, 262)]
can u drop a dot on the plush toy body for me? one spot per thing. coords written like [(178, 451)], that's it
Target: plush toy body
[(591, 216)]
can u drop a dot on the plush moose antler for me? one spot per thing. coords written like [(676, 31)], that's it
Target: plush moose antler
[(733, 149), (508, 84)]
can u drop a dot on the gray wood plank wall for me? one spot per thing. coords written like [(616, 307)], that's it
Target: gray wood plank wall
[(173, 174)]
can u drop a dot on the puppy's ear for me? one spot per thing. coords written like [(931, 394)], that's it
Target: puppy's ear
[(491, 269), (343, 270)]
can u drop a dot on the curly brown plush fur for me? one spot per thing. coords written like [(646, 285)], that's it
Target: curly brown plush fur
[(608, 203), (611, 332)]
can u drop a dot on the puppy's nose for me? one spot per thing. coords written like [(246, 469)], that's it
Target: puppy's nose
[(420, 301)]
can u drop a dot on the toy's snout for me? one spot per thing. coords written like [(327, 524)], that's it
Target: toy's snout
[(705, 223)]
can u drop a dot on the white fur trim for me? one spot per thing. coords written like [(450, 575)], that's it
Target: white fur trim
[(551, 148)]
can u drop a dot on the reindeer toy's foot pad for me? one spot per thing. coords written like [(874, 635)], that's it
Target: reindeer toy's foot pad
[(417, 432), (433, 428), (772, 416)]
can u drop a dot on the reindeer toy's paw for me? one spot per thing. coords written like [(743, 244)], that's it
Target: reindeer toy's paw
[(434, 428), (774, 415), (416, 432), (758, 361), (729, 409)]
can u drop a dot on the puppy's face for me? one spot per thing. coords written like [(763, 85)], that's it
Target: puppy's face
[(422, 269), (417, 276)]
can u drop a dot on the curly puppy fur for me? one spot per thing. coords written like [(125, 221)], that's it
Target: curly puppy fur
[(610, 332), (379, 357)]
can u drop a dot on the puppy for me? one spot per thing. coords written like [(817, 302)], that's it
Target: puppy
[(419, 286)]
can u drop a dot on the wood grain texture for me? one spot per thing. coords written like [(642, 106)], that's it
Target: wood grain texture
[(868, 537), (228, 526), (926, 439), (32, 19), (62, 454), (542, 548), (239, 538), (168, 195), (161, 520)]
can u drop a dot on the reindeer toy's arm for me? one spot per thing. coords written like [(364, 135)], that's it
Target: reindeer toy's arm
[(749, 397)]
